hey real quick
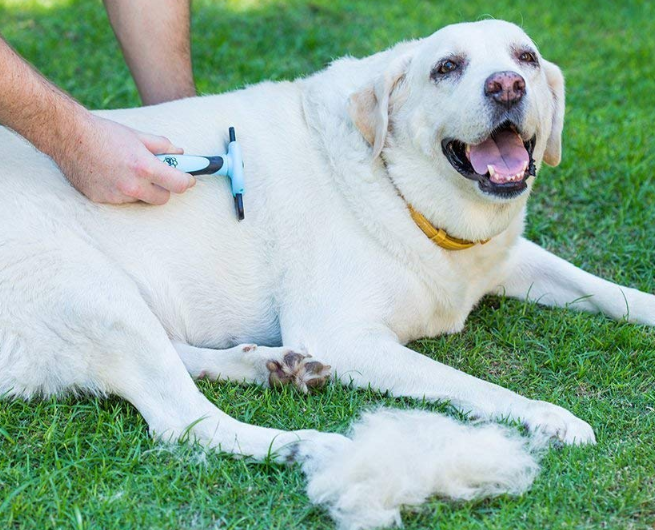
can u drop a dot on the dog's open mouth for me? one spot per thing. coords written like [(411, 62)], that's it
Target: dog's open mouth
[(501, 164)]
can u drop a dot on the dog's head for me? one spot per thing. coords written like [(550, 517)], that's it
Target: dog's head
[(474, 106)]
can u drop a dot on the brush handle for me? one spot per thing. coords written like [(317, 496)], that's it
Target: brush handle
[(193, 164), (229, 165)]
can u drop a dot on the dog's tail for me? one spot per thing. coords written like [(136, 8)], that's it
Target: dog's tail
[(401, 458)]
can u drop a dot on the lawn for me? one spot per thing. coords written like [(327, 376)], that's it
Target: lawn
[(88, 463)]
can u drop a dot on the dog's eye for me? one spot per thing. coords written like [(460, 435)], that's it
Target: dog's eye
[(528, 57), (447, 66)]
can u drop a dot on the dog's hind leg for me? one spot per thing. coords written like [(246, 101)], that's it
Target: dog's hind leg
[(91, 330), (536, 274), (250, 363), (146, 369)]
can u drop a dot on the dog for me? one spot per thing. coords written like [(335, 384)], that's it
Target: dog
[(385, 197)]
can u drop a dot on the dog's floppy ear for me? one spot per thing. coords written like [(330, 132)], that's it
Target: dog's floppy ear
[(369, 108), (555, 79)]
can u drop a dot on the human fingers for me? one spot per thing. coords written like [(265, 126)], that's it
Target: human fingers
[(169, 178), (143, 191), (158, 145)]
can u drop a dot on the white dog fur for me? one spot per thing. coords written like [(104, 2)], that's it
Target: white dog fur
[(401, 458), (134, 300)]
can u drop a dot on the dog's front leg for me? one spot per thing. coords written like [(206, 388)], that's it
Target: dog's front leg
[(379, 361), (536, 274)]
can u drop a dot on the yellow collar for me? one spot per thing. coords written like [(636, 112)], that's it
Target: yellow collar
[(438, 235)]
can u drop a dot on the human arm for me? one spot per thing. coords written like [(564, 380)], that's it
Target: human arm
[(102, 159)]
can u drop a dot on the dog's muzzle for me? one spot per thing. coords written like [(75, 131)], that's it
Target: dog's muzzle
[(500, 164)]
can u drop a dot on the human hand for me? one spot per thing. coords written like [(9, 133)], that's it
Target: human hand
[(111, 163)]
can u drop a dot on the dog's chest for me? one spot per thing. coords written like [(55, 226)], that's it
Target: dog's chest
[(422, 310), (440, 302)]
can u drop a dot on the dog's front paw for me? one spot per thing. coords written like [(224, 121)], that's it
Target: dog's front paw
[(541, 417), (297, 369)]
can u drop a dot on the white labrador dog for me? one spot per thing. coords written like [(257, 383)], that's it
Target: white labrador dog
[(330, 259)]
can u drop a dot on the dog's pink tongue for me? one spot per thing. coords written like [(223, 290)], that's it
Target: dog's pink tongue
[(505, 153)]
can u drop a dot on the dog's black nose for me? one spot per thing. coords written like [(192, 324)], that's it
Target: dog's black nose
[(505, 88)]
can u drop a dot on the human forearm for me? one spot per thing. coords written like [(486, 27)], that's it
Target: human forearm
[(105, 161), (35, 108), (154, 37)]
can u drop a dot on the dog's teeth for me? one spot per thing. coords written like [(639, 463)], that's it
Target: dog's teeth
[(491, 170), (468, 151)]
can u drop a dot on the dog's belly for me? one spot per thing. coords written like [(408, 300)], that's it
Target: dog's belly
[(219, 318), (229, 307), (207, 278)]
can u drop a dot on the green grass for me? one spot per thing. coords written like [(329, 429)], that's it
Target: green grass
[(89, 463)]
